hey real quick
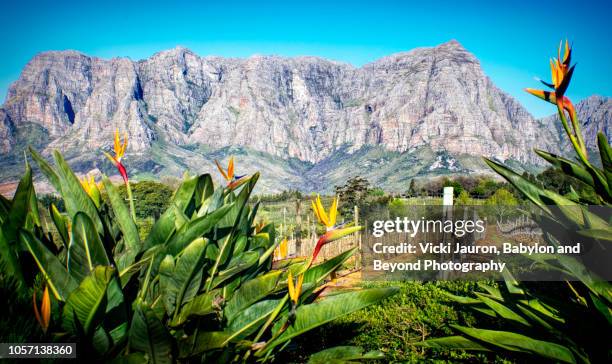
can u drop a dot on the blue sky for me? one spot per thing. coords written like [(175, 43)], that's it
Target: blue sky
[(513, 41)]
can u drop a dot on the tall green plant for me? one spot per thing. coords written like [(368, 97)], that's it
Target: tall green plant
[(573, 323), (200, 287)]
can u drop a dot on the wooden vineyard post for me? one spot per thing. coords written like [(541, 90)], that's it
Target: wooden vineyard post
[(358, 257), (298, 226)]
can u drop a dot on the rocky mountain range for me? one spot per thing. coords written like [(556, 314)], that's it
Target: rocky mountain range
[(305, 122)]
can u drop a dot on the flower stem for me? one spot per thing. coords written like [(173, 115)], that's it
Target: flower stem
[(578, 144), (130, 199)]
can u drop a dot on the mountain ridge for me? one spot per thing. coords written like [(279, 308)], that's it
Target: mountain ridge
[(435, 103)]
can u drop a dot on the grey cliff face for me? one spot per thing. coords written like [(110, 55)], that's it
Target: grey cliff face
[(6, 132), (305, 107)]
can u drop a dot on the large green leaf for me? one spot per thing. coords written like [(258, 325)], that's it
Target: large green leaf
[(322, 311), (182, 279), (250, 292), (15, 220), (131, 239), (344, 354), (75, 198), (164, 227), (204, 341), (57, 277), (61, 223), (86, 250), (86, 305), (231, 219), (200, 305), (318, 272), (250, 319), (238, 264), (148, 334), (517, 342), (47, 170), (195, 229)]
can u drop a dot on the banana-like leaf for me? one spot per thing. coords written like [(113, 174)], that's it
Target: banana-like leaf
[(204, 341), (75, 197), (204, 189), (86, 305), (250, 292), (15, 220), (86, 250), (57, 277), (182, 279), (238, 264), (453, 342), (200, 305), (148, 334), (344, 354), (231, 218), (61, 223), (131, 239), (103, 340), (166, 283), (195, 229), (250, 319), (318, 273), (322, 311), (47, 170), (517, 342), (164, 227)]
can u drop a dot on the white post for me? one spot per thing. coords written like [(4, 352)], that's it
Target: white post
[(447, 200)]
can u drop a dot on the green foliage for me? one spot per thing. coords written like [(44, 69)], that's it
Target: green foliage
[(463, 199), (571, 324), (283, 196), (456, 185), (537, 324), (396, 325), (151, 198), (357, 191), (200, 286), (502, 203)]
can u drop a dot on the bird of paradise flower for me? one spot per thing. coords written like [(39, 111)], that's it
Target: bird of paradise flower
[(119, 149)]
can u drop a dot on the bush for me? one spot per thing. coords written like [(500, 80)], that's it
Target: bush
[(418, 312)]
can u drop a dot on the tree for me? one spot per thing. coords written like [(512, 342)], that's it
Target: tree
[(150, 198), (352, 193), (463, 199), (457, 188), (502, 203)]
